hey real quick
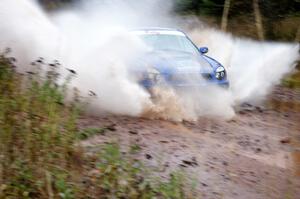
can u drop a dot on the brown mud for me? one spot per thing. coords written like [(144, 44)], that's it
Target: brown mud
[(254, 155)]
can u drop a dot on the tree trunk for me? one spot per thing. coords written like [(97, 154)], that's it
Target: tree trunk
[(258, 20), (225, 15)]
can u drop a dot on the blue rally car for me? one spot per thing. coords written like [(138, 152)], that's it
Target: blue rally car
[(174, 60)]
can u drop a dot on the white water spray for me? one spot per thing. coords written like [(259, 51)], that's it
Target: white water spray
[(92, 39)]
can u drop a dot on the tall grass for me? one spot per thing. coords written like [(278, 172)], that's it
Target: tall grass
[(37, 131), (40, 153)]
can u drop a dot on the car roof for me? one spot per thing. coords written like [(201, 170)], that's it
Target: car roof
[(156, 30)]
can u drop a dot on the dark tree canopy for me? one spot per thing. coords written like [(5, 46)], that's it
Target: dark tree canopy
[(281, 18)]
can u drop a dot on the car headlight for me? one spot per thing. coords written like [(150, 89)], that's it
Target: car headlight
[(153, 75), (220, 73)]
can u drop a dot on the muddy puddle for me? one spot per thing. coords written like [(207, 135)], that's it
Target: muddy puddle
[(254, 155)]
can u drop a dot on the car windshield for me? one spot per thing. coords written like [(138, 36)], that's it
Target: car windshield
[(169, 42)]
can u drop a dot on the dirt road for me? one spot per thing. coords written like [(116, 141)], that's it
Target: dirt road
[(254, 155)]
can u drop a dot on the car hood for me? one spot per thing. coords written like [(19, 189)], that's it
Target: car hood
[(174, 62)]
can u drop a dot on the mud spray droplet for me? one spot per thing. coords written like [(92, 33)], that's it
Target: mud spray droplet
[(165, 105)]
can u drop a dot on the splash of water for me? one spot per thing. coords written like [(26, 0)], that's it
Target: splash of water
[(254, 67), (93, 40)]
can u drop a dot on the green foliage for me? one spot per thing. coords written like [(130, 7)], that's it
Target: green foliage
[(292, 81), (89, 132), (63, 187), (281, 19), (173, 188), (40, 154), (124, 177), (135, 148), (37, 131)]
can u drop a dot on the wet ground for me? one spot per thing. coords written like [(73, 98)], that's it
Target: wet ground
[(254, 155)]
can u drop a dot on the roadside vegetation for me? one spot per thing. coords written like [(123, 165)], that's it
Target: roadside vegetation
[(40, 152), (258, 19), (292, 81)]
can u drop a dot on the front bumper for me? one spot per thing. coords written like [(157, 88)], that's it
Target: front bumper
[(150, 84)]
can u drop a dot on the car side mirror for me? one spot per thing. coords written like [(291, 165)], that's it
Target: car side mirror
[(203, 50)]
